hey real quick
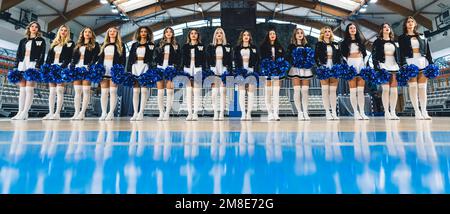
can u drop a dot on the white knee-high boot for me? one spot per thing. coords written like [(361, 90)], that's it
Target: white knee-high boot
[(85, 104), (22, 96), (297, 102), (77, 100), (385, 99), (189, 102), (214, 95), (28, 102), (354, 103), (333, 102), (136, 94), (268, 101), (160, 98), (222, 102), (59, 101), (423, 100), (412, 89), (169, 103), (112, 103), (326, 101), (393, 102), (104, 103), (144, 97), (276, 102), (251, 98), (242, 103), (361, 103), (51, 103), (305, 100), (197, 102)]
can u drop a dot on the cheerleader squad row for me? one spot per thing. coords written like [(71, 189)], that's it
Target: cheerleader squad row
[(406, 62)]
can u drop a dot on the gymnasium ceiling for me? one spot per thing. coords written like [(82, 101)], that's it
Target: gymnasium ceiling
[(159, 14)]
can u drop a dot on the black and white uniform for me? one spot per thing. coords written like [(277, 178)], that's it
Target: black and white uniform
[(219, 58), (36, 47), (193, 58), (323, 50), (272, 52), (118, 58), (140, 58), (385, 55), (354, 47), (250, 53), (65, 54), (294, 72), (174, 56), (422, 59), (89, 56)]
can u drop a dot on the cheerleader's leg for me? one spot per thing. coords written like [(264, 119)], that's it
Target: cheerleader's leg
[(305, 98), (136, 95), (160, 97), (59, 101), (326, 98), (223, 100), (412, 89), (423, 96), (22, 96), (112, 101), (51, 102), (104, 98), (268, 99), (144, 97), (386, 99), (276, 99), (86, 99), (78, 88), (214, 95), (297, 97), (393, 97)]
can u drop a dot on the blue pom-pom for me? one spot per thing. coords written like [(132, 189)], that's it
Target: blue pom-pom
[(282, 67), (68, 75), (45, 73), (382, 77), (96, 72), (224, 76), (323, 73), (339, 71), (81, 73), (267, 67), (118, 74), (56, 74), (431, 71), (368, 74), (128, 79), (14, 76), (204, 74), (32, 74), (346, 72), (170, 73), (406, 73), (150, 78), (303, 58)]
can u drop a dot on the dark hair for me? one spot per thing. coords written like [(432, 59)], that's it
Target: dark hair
[(380, 32), (188, 39), (348, 38), (266, 41), (241, 37), (137, 34)]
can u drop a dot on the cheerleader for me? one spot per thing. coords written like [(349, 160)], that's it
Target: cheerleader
[(30, 55), (327, 54), (219, 56), (112, 52), (300, 76), (60, 53), (140, 60), (193, 60), (354, 53), (246, 57), (271, 49), (167, 54), (385, 56), (85, 54), (415, 50)]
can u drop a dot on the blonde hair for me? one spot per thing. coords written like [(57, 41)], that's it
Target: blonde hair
[(294, 39), (28, 32), (107, 41), (173, 41), (80, 42), (224, 38), (322, 34), (60, 40)]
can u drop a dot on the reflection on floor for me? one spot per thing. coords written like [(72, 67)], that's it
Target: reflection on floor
[(376, 156)]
